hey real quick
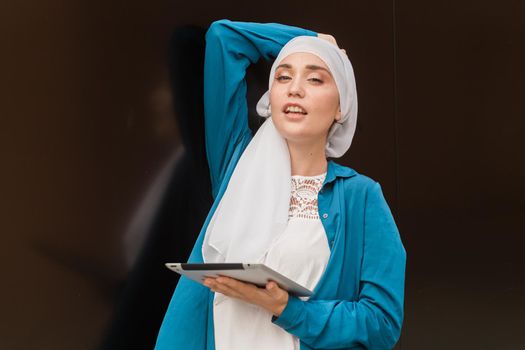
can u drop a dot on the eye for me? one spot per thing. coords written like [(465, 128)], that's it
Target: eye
[(283, 77), (316, 80)]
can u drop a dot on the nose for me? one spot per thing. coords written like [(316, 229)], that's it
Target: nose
[(295, 88)]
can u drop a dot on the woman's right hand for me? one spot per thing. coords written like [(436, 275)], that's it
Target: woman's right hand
[(330, 39)]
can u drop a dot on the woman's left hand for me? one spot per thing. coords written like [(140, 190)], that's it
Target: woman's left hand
[(271, 298), (330, 39)]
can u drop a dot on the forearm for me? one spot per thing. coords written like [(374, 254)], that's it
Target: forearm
[(335, 324), (371, 319), (230, 48)]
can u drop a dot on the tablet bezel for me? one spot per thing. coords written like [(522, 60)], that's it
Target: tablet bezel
[(258, 274)]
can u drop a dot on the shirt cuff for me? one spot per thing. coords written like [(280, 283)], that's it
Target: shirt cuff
[(290, 315)]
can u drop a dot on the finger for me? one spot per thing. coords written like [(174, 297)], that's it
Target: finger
[(271, 285), (211, 283), (274, 290), (226, 290), (331, 39), (271, 289), (328, 38), (246, 291), (241, 287), (208, 281)]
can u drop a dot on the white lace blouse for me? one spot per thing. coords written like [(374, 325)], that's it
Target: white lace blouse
[(301, 253)]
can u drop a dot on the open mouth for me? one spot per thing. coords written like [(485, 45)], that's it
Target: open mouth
[(294, 109)]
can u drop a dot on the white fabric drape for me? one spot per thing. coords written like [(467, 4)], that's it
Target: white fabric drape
[(253, 210), (301, 253)]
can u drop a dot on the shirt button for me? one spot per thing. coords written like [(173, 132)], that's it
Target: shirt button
[(325, 215)]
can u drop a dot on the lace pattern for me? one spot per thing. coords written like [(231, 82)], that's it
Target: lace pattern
[(303, 201)]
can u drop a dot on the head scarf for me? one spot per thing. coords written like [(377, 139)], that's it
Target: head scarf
[(253, 212), (341, 133)]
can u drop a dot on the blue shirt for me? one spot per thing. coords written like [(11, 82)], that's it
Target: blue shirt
[(358, 302)]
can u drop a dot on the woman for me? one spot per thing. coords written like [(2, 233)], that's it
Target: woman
[(278, 200)]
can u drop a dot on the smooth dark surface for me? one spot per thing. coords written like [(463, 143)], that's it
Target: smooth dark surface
[(212, 266), (104, 177), (461, 172)]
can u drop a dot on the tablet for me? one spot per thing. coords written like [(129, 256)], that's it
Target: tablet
[(258, 274)]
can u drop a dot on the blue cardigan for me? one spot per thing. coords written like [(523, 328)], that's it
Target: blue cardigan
[(358, 303)]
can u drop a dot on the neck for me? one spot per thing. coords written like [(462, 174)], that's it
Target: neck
[(307, 160)]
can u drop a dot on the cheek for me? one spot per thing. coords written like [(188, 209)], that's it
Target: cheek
[(275, 100), (274, 93), (327, 103)]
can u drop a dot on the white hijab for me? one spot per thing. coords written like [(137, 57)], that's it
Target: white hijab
[(253, 212)]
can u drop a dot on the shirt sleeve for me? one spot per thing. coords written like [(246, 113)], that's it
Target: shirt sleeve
[(230, 48), (185, 321), (374, 320)]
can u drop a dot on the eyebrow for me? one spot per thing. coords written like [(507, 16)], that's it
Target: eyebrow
[(309, 66)]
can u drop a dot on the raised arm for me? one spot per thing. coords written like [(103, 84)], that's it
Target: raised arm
[(374, 320), (230, 48)]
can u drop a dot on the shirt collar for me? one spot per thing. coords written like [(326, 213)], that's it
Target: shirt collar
[(335, 170)]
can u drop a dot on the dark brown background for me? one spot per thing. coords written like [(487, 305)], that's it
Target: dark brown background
[(90, 145)]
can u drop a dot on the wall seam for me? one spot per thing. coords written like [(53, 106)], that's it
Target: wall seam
[(395, 122)]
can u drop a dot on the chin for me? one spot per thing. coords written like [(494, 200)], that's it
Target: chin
[(293, 131)]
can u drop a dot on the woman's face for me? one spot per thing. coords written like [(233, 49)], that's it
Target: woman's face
[(304, 99)]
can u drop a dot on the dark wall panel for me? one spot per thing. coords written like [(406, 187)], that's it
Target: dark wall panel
[(104, 178), (461, 171), (96, 187)]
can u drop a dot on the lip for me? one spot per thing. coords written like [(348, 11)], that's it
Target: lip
[(292, 114)]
